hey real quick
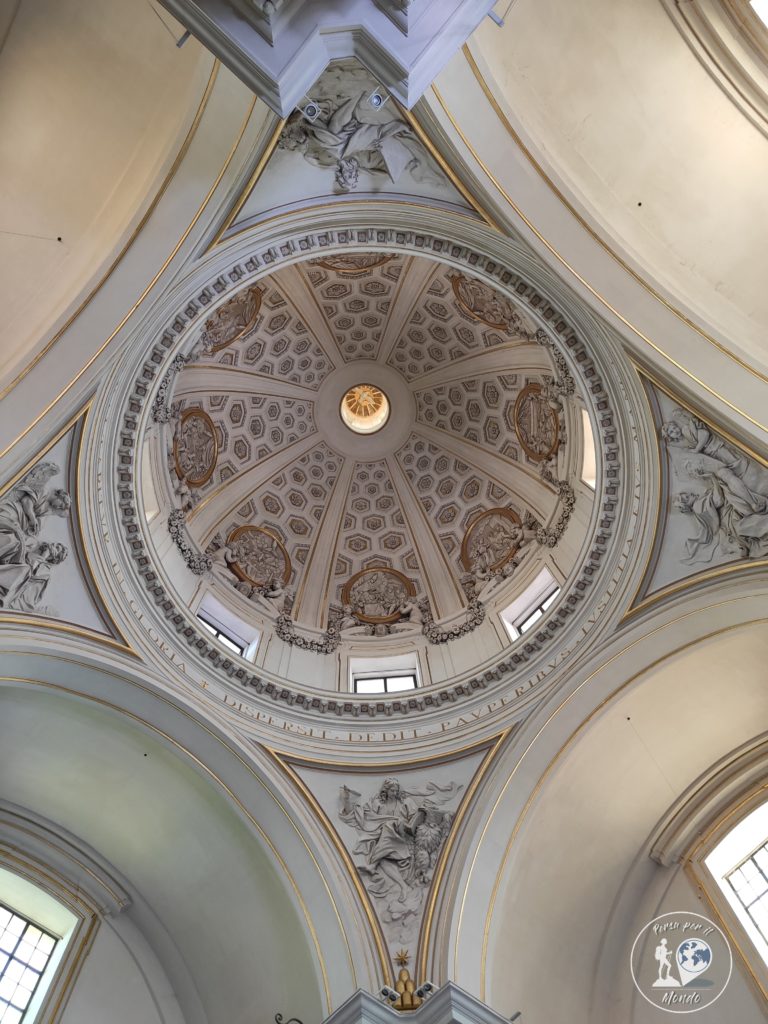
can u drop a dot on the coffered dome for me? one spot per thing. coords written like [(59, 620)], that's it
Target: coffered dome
[(467, 493)]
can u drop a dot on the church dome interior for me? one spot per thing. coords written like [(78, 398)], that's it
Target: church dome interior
[(383, 512), (468, 495)]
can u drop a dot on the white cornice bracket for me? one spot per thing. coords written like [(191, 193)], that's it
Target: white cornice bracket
[(279, 48), (449, 1005)]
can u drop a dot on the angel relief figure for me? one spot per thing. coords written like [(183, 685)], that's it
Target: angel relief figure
[(729, 518), (401, 833), (26, 559), (745, 477)]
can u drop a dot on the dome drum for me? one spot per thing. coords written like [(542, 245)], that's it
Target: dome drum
[(406, 506)]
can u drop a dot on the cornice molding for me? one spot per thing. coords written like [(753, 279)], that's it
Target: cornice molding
[(42, 842), (449, 1005), (735, 781), (280, 49), (720, 34)]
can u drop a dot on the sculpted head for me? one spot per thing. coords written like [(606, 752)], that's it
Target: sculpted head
[(696, 468), (59, 502), (671, 432), (683, 502), (390, 790), (53, 552)]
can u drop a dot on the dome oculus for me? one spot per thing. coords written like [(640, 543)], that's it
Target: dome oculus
[(364, 408)]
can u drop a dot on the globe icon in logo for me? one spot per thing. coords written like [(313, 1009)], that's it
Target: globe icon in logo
[(694, 956)]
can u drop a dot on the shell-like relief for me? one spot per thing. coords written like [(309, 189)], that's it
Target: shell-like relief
[(258, 556), (195, 448), (491, 540), (481, 302), (537, 424), (375, 595), (232, 320), (353, 263)]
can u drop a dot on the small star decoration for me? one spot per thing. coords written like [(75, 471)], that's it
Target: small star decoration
[(402, 958)]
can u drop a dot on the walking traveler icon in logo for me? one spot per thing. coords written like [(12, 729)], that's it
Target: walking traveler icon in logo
[(681, 962)]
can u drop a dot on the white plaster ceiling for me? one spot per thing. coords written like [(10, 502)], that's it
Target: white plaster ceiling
[(211, 883), (96, 102), (403, 497), (579, 866), (616, 108)]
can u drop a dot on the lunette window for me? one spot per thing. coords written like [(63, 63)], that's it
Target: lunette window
[(385, 684), (750, 883), (536, 613), (739, 866), (25, 950), (222, 637)]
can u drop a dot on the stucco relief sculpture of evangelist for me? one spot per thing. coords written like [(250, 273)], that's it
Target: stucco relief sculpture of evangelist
[(232, 320), (258, 557), (195, 448), (400, 834), (377, 595), (351, 136), (537, 422), (481, 302), (26, 559), (726, 502)]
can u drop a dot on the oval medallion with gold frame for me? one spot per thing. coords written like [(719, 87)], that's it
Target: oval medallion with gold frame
[(491, 540), (536, 424), (258, 556), (481, 302), (375, 595), (353, 263), (232, 320), (195, 448)]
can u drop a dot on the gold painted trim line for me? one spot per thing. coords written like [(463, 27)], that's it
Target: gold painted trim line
[(699, 883), (743, 565), (327, 826), (131, 239), (696, 870), (532, 797), (146, 290), (286, 762), (427, 921), (590, 230), (121, 643), (447, 170), (38, 622), (582, 281), (245, 195), (272, 145), (219, 782)]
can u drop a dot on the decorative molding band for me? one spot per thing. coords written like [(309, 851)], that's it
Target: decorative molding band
[(730, 782), (45, 843), (448, 1005)]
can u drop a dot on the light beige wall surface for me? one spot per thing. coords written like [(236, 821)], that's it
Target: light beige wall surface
[(96, 99), (617, 108)]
